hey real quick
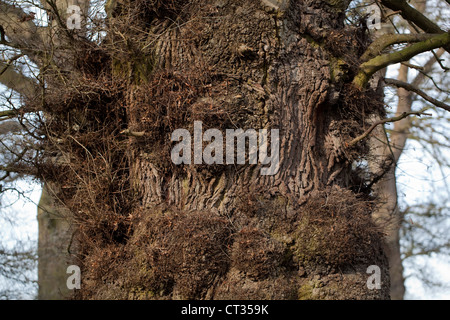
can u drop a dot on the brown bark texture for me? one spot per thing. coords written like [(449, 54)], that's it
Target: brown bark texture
[(148, 229)]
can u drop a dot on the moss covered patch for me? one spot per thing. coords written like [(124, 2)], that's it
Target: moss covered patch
[(335, 231), (256, 254)]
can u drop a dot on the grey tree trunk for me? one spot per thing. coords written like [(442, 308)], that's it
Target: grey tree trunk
[(53, 242)]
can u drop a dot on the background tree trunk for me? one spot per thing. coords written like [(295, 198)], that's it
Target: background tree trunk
[(388, 213), (53, 218), (53, 245)]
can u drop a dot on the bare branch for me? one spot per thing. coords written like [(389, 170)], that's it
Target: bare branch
[(387, 40), (427, 68), (367, 69), (9, 62), (412, 66), (380, 122), (17, 81), (409, 87), (130, 133), (7, 114), (413, 15), (16, 166)]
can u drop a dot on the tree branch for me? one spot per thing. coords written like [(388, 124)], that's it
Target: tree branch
[(7, 114), (15, 166), (130, 133), (380, 122), (409, 87), (413, 15), (412, 66), (389, 39), (23, 35), (17, 81), (427, 68), (9, 63), (367, 69)]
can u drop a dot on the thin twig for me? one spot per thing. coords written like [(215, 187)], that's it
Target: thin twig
[(412, 66), (409, 87), (9, 62), (380, 122)]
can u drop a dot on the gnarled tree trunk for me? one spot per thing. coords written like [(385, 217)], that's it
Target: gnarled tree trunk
[(227, 231), (147, 228)]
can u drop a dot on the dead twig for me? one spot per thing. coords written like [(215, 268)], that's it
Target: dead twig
[(380, 122)]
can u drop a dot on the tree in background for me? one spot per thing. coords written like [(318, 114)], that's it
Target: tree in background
[(101, 102), (18, 258), (409, 91)]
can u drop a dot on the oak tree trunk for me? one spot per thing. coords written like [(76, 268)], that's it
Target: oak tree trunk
[(198, 231), (228, 232)]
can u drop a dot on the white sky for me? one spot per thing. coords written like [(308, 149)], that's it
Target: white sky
[(18, 223)]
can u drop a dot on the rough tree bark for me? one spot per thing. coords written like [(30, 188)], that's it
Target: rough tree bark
[(274, 60)]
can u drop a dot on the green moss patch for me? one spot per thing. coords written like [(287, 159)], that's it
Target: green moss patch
[(335, 230)]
